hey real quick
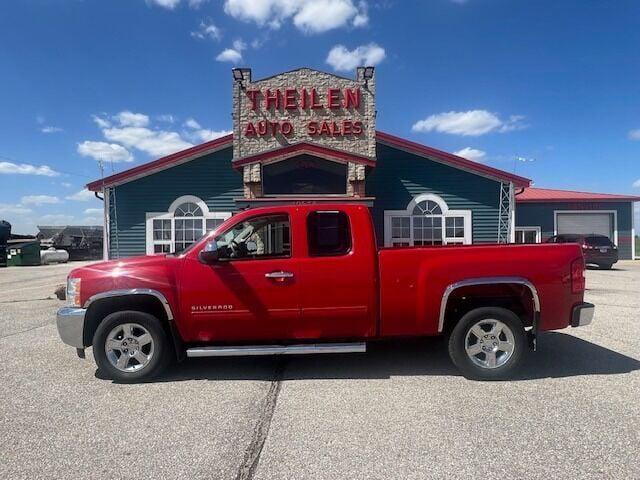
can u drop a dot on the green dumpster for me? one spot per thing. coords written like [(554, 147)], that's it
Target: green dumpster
[(21, 253)]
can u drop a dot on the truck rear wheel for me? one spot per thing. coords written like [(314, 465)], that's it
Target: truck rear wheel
[(488, 344), (130, 346)]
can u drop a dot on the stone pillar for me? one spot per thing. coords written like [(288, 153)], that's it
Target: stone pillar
[(355, 179), (252, 179)]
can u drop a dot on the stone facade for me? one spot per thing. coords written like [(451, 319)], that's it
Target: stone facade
[(304, 78)]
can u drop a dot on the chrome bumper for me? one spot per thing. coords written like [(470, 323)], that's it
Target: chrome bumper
[(70, 321), (582, 314)]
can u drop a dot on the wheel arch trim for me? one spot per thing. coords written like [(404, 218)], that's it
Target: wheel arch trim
[(486, 281), (132, 291)]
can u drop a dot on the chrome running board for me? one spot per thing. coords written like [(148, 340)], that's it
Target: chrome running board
[(302, 349)]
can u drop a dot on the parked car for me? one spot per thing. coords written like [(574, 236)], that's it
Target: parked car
[(310, 279), (597, 249)]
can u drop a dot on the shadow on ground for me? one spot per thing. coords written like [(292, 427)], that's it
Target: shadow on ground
[(559, 355)]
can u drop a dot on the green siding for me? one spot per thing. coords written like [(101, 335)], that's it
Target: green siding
[(399, 176), (210, 178), (541, 215)]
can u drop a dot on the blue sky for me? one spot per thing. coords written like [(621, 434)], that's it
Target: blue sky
[(548, 88)]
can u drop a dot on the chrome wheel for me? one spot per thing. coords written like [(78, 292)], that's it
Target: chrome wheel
[(489, 343), (129, 347)]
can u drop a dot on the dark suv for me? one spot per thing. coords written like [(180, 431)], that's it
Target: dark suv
[(597, 249)]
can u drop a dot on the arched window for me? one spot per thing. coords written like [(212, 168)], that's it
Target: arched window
[(187, 219), (426, 221)]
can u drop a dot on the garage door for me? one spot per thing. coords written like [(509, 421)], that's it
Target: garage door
[(585, 223)]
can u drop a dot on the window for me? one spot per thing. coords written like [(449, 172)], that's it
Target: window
[(328, 233), (304, 175), (259, 237), (527, 234), (186, 221), (427, 221)]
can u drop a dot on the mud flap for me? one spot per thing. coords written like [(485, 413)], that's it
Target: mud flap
[(532, 335)]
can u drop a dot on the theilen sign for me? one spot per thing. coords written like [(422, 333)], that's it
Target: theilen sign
[(271, 102)]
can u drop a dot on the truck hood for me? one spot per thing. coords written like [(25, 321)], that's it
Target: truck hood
[(156, 272)]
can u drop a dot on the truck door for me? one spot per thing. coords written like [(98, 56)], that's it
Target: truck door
[(251, 292), (338, 278)]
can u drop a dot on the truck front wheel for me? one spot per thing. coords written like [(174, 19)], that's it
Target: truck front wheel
[(130, 346), (488, 344)]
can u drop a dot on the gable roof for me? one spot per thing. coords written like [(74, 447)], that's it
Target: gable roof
[(451, 159), (304, 148), (550, 195), (384, 138)]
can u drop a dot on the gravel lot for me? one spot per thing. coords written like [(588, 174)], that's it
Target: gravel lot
[(399, 411)]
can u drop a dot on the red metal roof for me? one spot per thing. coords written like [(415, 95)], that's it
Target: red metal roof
[(549, 195), (385, 138)]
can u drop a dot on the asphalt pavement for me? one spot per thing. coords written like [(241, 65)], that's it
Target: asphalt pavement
[(399, 411)]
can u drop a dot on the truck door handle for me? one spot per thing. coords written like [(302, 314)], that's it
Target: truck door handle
[(280, 275)]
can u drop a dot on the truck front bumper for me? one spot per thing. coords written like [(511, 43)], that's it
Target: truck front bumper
[(582, 314), (70, 321)]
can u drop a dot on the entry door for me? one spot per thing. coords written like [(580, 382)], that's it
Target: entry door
[(338, 281), (585, 223), (250, 295)]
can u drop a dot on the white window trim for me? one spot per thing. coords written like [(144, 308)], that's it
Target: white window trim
[(615, 220), (519, 228), (169, 215), (446, 212)]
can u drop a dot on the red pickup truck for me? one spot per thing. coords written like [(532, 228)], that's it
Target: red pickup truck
[(309, 279)]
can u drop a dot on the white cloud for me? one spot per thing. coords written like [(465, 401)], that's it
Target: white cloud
[(39, 200), (196, 3), (169, 4), (66, 184), (154, 142), (233, 55), (9, 168), (206, 135), (310, 16), (166, 118), (198, 133), (636, 184), (56, 219), (50, 129), (9, 209), (101, 122), (128, 130), (111, 152), (83, 195), (471, 123), (192, 123), (207, 30), (93, 211), (634, 134), (344, 60), (471, 154), (130, 119)]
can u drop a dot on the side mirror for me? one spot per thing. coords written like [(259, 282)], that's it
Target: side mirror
[(209, 254)]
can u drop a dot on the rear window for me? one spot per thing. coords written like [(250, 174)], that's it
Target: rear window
[(598, 241), (329, 233)]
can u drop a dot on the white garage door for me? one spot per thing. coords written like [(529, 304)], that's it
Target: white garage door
[(585, 223)]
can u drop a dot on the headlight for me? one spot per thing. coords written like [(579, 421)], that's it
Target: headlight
[(73, 291)]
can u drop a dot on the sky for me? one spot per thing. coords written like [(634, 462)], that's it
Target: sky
[(549, 90)]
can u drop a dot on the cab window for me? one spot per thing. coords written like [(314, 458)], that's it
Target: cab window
[(259, 237), (328, 233)]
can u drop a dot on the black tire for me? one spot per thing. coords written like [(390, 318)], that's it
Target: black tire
[(160, 355), (606, 266), (471, 368)]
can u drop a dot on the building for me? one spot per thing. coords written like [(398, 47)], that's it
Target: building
[(309, 136)]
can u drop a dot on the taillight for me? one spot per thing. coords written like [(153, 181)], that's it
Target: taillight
[(577, 276)]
